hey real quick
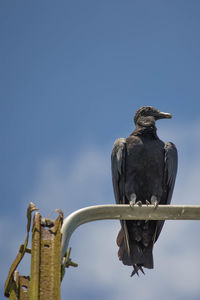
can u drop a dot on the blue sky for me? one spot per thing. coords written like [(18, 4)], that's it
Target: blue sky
[(72, 75)]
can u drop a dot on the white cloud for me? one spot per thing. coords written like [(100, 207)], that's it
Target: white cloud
[(72, 185)]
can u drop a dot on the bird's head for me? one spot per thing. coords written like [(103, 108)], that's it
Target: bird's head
[(147, 115)]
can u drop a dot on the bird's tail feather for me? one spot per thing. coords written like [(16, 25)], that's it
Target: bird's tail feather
[(140, 256)]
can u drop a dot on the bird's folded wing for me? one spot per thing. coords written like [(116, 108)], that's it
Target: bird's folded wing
[(117, 166), (171, 164)]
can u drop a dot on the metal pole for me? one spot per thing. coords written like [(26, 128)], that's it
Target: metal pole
[(45, 258), (124, 212)]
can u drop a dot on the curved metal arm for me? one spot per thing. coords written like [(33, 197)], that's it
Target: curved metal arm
[(124, 212)]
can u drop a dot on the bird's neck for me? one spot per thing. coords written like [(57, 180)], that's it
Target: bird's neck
[(148, 130), (146, 126)]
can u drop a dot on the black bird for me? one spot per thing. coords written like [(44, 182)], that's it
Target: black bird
[(143, 171)]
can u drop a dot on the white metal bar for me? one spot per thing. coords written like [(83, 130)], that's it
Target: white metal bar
[(124, 212)]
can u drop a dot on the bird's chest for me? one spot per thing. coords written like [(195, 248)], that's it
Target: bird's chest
[(145, 166)]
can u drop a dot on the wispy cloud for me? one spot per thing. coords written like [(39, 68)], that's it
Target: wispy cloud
[(73, 184)]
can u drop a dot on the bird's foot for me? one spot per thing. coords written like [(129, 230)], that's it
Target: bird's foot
[(154, 201), (136, 268), (132, 204), (132, 201), (147, 202)]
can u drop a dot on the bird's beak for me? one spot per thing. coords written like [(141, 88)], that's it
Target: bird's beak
[(163, 115)]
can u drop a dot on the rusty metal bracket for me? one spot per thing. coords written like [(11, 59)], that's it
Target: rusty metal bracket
[(20, 255), (45, 279)]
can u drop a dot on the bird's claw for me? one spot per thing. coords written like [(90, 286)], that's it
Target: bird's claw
[(132, 201), (154, 201), (155, 204), (136, 268)]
